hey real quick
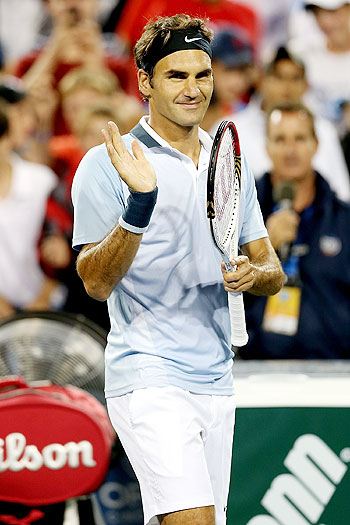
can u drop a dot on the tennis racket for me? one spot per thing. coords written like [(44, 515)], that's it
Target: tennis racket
[(223, 195)]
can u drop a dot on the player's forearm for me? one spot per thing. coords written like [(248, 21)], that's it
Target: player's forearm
[(268, 274), (102, 265)]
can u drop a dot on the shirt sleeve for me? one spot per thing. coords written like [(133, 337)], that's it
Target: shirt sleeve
[(253, 226), (98, 198)]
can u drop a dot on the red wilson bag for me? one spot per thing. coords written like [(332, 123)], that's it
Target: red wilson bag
[(55, 442)]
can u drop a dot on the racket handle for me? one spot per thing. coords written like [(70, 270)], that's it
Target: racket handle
[(239, 336)]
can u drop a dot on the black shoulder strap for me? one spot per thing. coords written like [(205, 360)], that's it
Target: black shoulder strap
[(142, 135)]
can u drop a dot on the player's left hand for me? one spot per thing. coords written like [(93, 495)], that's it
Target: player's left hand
[(242, 278)]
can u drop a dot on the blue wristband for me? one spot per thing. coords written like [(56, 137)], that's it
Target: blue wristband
[(138, 211)]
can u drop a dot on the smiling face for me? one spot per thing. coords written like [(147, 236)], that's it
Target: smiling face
[(180, 89), (291, 144)]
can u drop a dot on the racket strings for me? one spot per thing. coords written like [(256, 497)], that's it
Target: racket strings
[(226, 192)]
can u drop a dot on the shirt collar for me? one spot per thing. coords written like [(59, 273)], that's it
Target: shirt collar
[(204, 138)]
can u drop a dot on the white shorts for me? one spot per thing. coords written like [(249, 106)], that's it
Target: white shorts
[(179, 445)]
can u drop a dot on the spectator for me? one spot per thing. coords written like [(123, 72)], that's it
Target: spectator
[(104, 9), (25, 23), (327, 61), (22, 119), (85, 86), (310, 317), (82, 87), (30, 118), (75, 40), (284, 81), (24, 188), (302, 24), (233, 70)]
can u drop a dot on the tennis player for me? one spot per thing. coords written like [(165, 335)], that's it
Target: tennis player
[(145, 246)]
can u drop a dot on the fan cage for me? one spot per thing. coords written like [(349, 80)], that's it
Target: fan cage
[(65, 349)]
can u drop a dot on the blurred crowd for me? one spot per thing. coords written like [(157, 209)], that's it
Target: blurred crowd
[(281, 73)]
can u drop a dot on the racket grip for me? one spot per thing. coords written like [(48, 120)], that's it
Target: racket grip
[(239, 336)]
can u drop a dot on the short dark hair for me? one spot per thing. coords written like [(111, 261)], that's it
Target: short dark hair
[(283, 53), (4, 121), (293, 107)]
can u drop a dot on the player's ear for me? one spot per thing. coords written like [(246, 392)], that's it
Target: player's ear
[(145, 86)]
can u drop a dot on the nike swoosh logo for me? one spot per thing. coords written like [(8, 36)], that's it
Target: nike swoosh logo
[(188, 40)]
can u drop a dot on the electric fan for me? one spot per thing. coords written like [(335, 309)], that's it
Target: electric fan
[(62, 349), (65, 349)]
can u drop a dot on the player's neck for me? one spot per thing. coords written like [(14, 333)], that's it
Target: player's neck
[(183, 138)]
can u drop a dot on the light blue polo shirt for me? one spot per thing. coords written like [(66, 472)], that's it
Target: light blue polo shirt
[(169, 315)]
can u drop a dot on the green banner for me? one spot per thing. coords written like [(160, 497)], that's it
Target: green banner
[(290, 467)]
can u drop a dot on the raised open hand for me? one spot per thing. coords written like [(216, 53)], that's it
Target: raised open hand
[(135, 170)]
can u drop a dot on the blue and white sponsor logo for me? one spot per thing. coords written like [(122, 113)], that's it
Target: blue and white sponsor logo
[(330, 245)]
